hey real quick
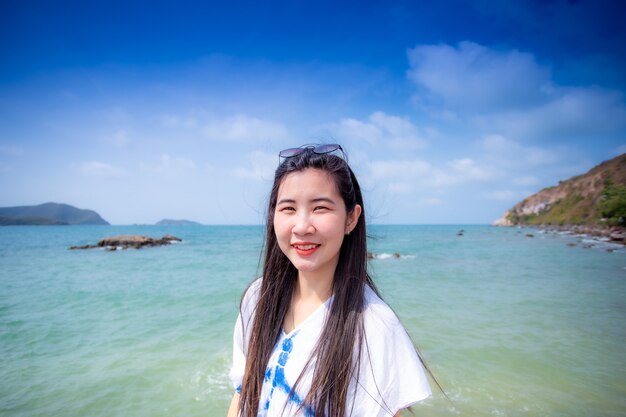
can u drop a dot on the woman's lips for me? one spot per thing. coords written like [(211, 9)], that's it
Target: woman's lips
[(305, 248)]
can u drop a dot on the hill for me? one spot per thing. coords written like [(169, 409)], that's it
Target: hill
[(596, 198), (170, 222), (49, 214)]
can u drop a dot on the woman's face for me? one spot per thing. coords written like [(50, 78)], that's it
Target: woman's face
[(310, 221)]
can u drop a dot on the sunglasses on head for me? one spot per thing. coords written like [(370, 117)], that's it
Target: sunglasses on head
[(318, 149)]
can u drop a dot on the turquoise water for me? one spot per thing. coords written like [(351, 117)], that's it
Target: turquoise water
[(510, 325)]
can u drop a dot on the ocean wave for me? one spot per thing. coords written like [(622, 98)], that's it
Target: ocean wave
[(383, 255)]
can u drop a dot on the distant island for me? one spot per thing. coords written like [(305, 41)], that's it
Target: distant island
[(170, 222), (49, 214), (594, 203)]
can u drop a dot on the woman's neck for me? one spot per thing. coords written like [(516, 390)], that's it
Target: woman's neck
[(311, 291), (313, 288)]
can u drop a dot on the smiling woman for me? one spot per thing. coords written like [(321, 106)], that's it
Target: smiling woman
[(310, 222), (313, 337)]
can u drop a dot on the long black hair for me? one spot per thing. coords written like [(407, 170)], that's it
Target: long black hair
[(337, 352)]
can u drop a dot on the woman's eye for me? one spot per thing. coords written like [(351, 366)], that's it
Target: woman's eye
[(318, 208), (287, 208)]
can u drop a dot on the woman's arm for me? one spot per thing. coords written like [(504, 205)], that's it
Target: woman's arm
[(233, 410)]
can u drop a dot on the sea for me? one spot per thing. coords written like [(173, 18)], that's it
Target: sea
[(512, 322)]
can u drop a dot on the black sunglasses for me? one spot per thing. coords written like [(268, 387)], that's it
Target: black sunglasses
[(318, 149)]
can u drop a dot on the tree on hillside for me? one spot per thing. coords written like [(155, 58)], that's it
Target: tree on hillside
[(613, 204)]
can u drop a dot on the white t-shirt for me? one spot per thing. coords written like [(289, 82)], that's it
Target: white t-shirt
[(391, 377)]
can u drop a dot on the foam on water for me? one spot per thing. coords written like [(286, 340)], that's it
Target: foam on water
[(391, 256)]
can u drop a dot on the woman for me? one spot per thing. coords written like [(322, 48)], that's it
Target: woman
[(313, 337)]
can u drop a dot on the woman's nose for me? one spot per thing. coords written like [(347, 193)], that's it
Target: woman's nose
[(303, 224)]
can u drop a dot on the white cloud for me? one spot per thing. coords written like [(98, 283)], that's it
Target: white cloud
[(357, 130), (474, 78), (571, 112), (173, 121), (509, 153), (420, 172), (400, 188), (509, 92), (468, 168), (101, 169), (244, 128), (169, 165), (261, 166), (390, 169), (499, 144), (119, 139), (397, 132), (457, 172)]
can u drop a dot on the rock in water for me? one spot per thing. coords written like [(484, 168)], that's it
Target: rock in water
[(126, 240), (130, 241), (618, 236)]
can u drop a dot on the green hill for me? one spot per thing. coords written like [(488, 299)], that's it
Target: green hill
[(597, 198), (48, 214)]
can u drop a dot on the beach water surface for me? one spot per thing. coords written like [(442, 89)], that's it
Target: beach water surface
[(510, 325)]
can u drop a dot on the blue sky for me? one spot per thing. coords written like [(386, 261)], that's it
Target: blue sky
[(450, 111)]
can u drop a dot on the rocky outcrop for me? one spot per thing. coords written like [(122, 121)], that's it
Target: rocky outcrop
[(576, 201), (129, 241), (504, 220), (609, 234)]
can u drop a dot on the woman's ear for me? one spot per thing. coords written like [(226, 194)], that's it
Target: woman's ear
[(353, 218)]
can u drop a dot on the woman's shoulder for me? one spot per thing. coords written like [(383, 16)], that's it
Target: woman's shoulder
[(251, 297), (377, 313), (391, 374), (253, 289)]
